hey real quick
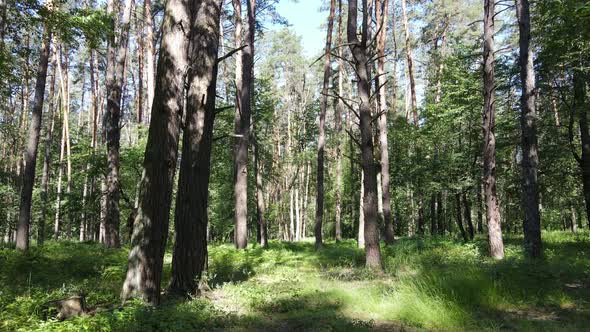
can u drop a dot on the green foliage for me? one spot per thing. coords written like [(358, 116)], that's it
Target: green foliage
[(432, 284)]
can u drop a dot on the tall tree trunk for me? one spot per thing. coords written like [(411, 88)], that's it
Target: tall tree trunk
[(459, 219), (433, 224), (57, 224), (117, 55), (420, 216), (150, 229), (190, 245), (305, 200), (359, 49), (440, 218), (480, 211), (528, 119), (574, 219), (244, 85), (47, 152), (291, 214), (262, 228), (149, 54), (67, 95), (381, 10), (140, 68), (489, 123), (297, 214), (65, 140), (361, 227), (319, 212), (338, 130), (467, 216), (394, 65), (410, 63), (584, 160), (24, 219)]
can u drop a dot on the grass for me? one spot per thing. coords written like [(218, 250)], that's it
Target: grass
[(428, 284)]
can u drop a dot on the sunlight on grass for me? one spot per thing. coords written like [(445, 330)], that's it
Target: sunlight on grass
[(435, 284)]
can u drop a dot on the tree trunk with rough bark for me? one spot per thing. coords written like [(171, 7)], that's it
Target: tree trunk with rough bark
[(319, 212), (338, 129), (24, 220), (496, 244), (190, 245), (467, 216), (150, 229), (149, 54), (433, 223), (410, 63), (381, 11), (459, 217), (262, 235), (116, 57), (244, 85), (440, 217), (579, 106), (528, 123), (360, 52), (47, 153)]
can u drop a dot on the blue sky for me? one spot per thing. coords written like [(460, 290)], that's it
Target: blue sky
[(305, 19)]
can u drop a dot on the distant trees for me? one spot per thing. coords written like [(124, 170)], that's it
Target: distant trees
[(406, 151)]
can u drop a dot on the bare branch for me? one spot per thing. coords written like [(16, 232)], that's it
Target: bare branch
[(230, 53)]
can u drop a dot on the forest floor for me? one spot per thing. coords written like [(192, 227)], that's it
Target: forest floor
[(428, 284)]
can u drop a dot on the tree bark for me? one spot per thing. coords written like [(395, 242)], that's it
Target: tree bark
[(65, 140), (459, 219), (361, 227), (433, 224), (440, 217), (528, 122), (574, 219), (496, 243), (410, 63), (479, 208), (190, 245), (47, 153), (262, 228), (584, 160), (117, 55), (420, 215), (381, 10), (140, 68), (244, 83), (319, 212), (338, 129), (150, 229), (359, 50), (24, 220), (467, 216), (149, 54)]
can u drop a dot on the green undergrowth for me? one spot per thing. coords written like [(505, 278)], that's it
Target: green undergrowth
[(428, 284)]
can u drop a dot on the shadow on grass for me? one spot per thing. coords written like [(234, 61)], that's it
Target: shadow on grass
[(434, 283)]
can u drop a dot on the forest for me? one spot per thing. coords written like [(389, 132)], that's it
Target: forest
[(192, 165)]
